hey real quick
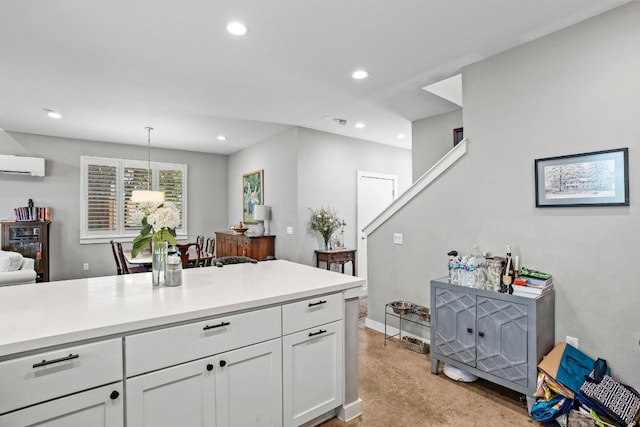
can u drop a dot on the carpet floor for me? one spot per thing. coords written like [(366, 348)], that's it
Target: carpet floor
[(398, 389)]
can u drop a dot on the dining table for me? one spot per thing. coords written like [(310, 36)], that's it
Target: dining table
[(144, 258)]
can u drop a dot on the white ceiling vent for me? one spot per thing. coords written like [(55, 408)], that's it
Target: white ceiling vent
[(20, 165)]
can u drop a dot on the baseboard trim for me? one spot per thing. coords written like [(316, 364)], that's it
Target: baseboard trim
[(348, 412)]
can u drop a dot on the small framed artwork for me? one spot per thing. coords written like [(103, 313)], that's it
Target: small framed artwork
[(252, 194), (458, 135), (599, 178)]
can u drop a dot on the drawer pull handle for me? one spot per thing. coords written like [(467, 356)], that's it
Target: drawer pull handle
[(223, 363), (321, 331), (313, 304), (62, 359), (469, 330), (219, 325), (209, 367), (481, 334), (114, 395)]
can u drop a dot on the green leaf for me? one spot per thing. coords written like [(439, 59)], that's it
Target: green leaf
[(139, 243)]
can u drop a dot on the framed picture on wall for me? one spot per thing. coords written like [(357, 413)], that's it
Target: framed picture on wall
[(252, 194), (458, 135), (599, 178)]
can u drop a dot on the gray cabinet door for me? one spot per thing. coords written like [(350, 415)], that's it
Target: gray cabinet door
[(502, 339), (454, 325)]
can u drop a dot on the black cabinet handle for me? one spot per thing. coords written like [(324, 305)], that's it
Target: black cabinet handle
[(62, 359), (114, 395), (209, 367), (321, 331), (223, 363), (219, 325), (470, 330), (481, 334), (313, 304)]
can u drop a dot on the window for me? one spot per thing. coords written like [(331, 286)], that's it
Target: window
[(106, 188)]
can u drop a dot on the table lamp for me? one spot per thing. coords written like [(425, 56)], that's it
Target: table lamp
[(260, 214)]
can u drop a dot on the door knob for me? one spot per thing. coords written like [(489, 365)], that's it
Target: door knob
[(209, 367), (114, 395), (223, 363)]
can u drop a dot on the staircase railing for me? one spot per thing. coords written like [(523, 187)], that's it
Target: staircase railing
[(421, 183)]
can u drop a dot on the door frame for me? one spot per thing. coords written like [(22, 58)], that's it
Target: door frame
[(360, 238)]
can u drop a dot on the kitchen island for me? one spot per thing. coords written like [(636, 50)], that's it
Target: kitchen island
[(267, 344)]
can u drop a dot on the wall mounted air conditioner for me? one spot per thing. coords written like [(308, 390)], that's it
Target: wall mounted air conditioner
[(20, 165)]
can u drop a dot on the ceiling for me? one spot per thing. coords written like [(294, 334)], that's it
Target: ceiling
[(113, 67)]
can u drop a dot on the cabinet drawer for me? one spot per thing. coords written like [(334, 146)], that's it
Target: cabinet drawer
[(154, 350), (312, 312), (44, 376)]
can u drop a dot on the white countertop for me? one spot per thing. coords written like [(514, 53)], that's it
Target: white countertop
[(49, 314)]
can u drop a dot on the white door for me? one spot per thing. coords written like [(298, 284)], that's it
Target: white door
[(249, 386), (376, 191), (182, 395), (98, 407), (312, 377)]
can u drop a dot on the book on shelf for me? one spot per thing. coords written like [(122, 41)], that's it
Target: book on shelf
[(531, 291), (534, 281), (32, 213)]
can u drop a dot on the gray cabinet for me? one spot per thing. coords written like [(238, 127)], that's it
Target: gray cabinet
[(495, 336)]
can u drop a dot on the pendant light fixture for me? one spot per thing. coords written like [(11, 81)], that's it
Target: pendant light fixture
[(140, 196)]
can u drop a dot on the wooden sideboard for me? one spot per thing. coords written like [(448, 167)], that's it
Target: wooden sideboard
[(229, 243)]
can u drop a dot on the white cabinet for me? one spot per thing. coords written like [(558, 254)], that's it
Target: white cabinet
[(46, 377), (312, 358), (239, 388), (249, 386), (99, 407), (225, 371)]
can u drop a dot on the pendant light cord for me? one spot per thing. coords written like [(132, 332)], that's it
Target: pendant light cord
[(149, 129)]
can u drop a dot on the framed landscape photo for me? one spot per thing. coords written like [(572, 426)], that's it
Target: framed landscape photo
[(599, 178), (252, 194)]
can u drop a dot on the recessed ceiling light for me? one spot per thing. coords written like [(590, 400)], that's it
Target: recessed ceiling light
[(237, 29), (53, 114), (360, 125), (401, 136), (221, 138), (360, 74)]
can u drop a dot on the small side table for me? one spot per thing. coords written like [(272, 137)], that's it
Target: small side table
[(337, 256)]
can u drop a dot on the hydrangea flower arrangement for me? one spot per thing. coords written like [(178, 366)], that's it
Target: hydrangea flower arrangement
[(325, 221), (159, 222)]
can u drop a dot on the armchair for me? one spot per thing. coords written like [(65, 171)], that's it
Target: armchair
[(16, 269)]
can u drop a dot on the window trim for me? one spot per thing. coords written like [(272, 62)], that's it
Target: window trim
[(121, 234)]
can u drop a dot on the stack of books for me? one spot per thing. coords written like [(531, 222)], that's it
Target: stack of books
[(536, 283), (32, 213)]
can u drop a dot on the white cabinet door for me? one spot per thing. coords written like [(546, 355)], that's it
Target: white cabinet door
[(312, 373), (249, 386), (182, 396), (100, 407)]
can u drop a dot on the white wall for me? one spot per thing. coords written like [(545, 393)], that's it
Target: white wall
[(277, 157), (432, 139), (303, 169), (573, 91), (60, 190)]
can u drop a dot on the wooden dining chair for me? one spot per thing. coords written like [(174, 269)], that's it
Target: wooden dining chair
[(185, 254), (128, 268), (200, 242), (115, 256), (210, 248)]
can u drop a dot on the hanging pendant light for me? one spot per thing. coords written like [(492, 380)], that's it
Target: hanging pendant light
[(140, 196)]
